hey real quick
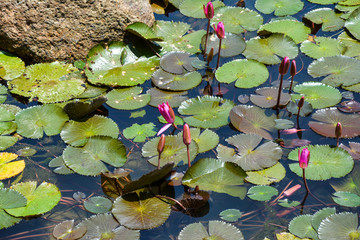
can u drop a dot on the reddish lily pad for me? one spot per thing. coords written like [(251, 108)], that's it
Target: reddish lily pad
[(353, 149), (350, 106), (267, 97)]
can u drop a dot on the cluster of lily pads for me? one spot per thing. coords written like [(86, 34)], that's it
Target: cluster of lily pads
[(71, 94)]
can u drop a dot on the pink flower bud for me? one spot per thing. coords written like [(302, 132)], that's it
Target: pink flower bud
[(167, 112), (209, 10), (161, 144), (284, 66), (292, 190), (338, 130), (304, 158), (220, 30), (293, 68), (186, 135), (301, 102)]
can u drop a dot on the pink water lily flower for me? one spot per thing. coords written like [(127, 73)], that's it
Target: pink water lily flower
[(168, 113), (209, 10), (304, 158), (220, 30)]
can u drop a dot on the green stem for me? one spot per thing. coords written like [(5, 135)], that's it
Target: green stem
[(188, 155)]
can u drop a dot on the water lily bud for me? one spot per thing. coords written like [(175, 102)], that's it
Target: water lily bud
[(186, 135), (209, 10), (210, 55), (338, 130), (292, 190), (301, 102), (167, 112), (161, 144), (293, 68), (284, 66), (220, 30), (304, 158)]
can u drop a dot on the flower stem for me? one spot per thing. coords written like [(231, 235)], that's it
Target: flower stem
[(206, 37), (279, 93), (188, 155), (158, 167), (291, 83), (218, 60), (305, 183)]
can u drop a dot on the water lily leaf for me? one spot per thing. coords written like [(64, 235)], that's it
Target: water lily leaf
[(79, 108), (195, 9), (206, 141), (353, 150), (353, 22), (140, 210), (173, 98), (267, 50), (98, 204), (3, 92), (40, 199), (92, 91), (283, 124), (117, 65), (231, 45), (127, 98), (26, 152), (59, 165), (67, 230), (319, 95), (215, 175), (351, 46), (206, 111), (301, 226), (230, 215), (325, 162), (340, 226), (217, 230), (88, 160), (267, 97), (142, 30), (287, 203), (176, 3), (174, 150), (281, 7), (262, 193), (322, 47), (10, 66), (32, 122), (104, 226), (324, 2), (330, 20), (78, 133), (8, 167), (288, 236), (350, 2), (237, 20), (347, 10), (251, 119), (7, 141), (168, 81), (346, 199), (138, 114), (49, 82), (292, 28), (139, 132), (329, 117), (176, 62), (321, 215), (246, 73), (112, 183), (304, 111), (10, 199), (267, 176), (339, 70)]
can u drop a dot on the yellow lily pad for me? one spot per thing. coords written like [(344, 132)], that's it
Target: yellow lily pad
[(9, 169)]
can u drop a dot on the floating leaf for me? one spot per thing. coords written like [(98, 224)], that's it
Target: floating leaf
[(230, 215), (354, 149), (8, 167), (350, 106), (40, 199), (324, 2), (26, 152), (267, 50), (67, 230), (281, 7), (287, 203), (293, 108), (262, 193), (176, 3), (127, 98), (59, 165), (319, 95), (347, 10), (32, 122), (139, 132), (78, 133), (251, 119), (267, 176), (267, 97), (325, 162), (351, 46), (173, 98), (341, 226), (92, 91), (206, 111), (215, 175), (353, 22), (330, 20), (7, 141), (322, 47), (142, 30), (10, 199), (321, 215), (98, 204), (138, 114), (13, 66), (231, 45), (346, 199), (329, 117), (168, 81), (206, 141), (288, 236), (176, 62), (79, 108), (195, 9), (301, 227), (246, 73), (3, 92), (283, 124)]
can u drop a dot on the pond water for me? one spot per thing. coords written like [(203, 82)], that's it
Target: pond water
[(259, 219)]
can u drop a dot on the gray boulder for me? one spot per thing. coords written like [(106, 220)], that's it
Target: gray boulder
[(48, 30)]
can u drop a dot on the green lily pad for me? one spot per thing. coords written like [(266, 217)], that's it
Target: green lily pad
[(32, 122), (267, 50), (40, 199), (89, 159), (92, 91), (140, 210), (98, 204), (49, 82), (293, 108), (319, 95), (322, 47), (230, 215), (215, 175), (59, 165), (117, 65), (237, 20), (127, 98), (3, 92), (321, 215), (11, 65), (325, 162), (338, 70), (351, 46), (262, 193), (347, 10), (283, 124), (353, 22), (138, 114), (10, 199), (346, 199), (164, 29), (139, 132), (168, 81), (350, 2), (66, 230), (79, 108), (267, 97), (78, 133), (206, 141), (173, 98), (341, 226), (176, 62), (195, 9), (142, 30), (7, 141), (206, 111), (330, 20), (251, 119), (324, 2), (267, 176), (176, 3), (217, 230), (26, 152), (287, 203), (301, 226), (174, 150), (350, 183), (246, 73), (231, 45), (328, 119), (281, 7)]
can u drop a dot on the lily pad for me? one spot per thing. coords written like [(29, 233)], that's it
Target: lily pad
[(346, 199), (49, 82), (251, 119), (321, 215), (322, 47), (206, 141), (8, 167), (230, 215), (98, 204), (59, 165), (3, 92), (267, 97), (287, 203), (231, 45), (195, 9), (32, 122), (267, 176), (293, 108), (351, 46), (10, 199), (350, 2), (92, 91), (267, 50), (353, 150), (301, 226), (319, 95), (138, 114), (142, 30), (173, 98), (11, 65), (324, 2), (168, 81), (281, 7), (78, 133), (246, 73), (325, 162), (329, 117), (353, 22), (330, 20), (40, 199), (206, 111), (283, 124), (139, 132), (218, 176), (7, 141), (67, 230), (262, 193), (79, 108), (176, 62), (341, 226), (127, 98)]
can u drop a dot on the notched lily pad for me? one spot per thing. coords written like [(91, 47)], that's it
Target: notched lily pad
[(67, 230), (127, 98), (230, 215), (177, 62), (172, 82), (262, 193), (10, 199), (267, 176), (98, 204), (139, 132), (346, 199), (173, 98), (267, 97), (322, 47), (206, 141), (8, 167), (330, 20), (231, 45), (79, 108), (353, 22), (279, 7), (10, 66), (340, 226), (301, 226)]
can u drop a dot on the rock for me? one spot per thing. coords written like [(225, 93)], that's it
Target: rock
[(49, 30)]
